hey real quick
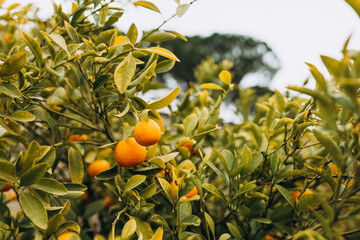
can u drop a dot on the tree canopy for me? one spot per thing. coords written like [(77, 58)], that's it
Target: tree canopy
[(247, 54)]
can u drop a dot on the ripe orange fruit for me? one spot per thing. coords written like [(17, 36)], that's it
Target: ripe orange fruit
[(108, 202), (66, 236), (78, 137), (193, 192), (268, 237), (6, 188), (98, 166), (186, 142), (128, 153), (7, 38), (10, 195), (295, 194), (147, 132)]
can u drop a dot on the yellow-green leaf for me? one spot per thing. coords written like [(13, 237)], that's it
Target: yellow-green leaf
[(128, 230), (132, 33), (181, 9), (34, 47), (165, 101), (23, 116), (13, 64), (355, 4), (76, 166), (148, 5), (158, 235), (212, 86), (225, 76), (134, 181), (72, 32), (124, 73), (34, 210), (162, 52), (159, 37)]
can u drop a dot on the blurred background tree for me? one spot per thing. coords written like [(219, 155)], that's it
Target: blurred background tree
[(242, 55)]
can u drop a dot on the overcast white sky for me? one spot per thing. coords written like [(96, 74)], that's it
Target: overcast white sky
[(297, 31)]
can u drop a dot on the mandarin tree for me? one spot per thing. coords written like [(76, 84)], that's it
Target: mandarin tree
[(70, 101)]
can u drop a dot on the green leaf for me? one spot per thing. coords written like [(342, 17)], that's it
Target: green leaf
[(331, 147), (10, 90), (143, 228), (54, 224), (69, 225), (167, 189), (76, 166), (190, 123), (93, 208), (320, 80), (234, 230), (7, 171), (60, 41), (132, 33), (50, 185), (34, 210), (307, 201), (224, 236), (34, 47), (159, 37), (165, 101), (325, 175), (280, 101), (34, 174), (211, 86), (331, 64), (147, 5), (108, 174), (100, 81), (162, 52), (355, 4), (181, 9), (124, 73), (191, 220), (114, 18), (158, 235), (160, 220), (213, 190), (210, 223), (23, 116), (286, 194), (164, 66), (75, 145), (72, 32), (32, 153), (13, 64), (225, 76), (245, 188), (134, 181), (128, 229), (149, 191)]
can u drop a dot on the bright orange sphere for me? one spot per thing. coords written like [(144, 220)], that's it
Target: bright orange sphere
[(295, 194), (268, 237), (189, 145), (147, 132), (66, 236), (108, 202), (78, 137), (7, 38), (128, 153), (98, 166), (193, 192)]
